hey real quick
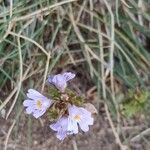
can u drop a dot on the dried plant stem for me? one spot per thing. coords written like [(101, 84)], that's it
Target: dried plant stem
[(74, 144), (11, 128), (43, 10), (8, 98), (138, 137), (106, 36), (91, 9), (8, 134), (80, 37), (81, 11), (118, 141), (20, 68), (20, 77), (32, 41), (102, 58), (116, 11), (46, 70), (111, 56), (125, 4), (15, 89), (10, 24)]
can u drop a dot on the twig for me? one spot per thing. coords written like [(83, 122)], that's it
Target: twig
[(8, 98), (8, 135), (46, 70), (74, 144), (29, 39), (125, 4), (81, 11), (15, 89), (118, 141), (43, 10), (20, 76), (106, 36), (70, 56), (80, 37), (91, 9), (138, 137), (10, 129), (100, 38), (111, 56), (116, 11), (10, 24)]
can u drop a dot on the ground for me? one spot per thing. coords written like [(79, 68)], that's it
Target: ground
[(105, 43), (100, 136)]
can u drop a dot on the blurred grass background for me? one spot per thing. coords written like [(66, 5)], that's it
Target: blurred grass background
[(105, 42)]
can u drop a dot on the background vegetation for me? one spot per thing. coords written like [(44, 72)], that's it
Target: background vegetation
[(105, 42)]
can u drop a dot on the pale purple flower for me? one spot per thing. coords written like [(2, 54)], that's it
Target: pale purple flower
[(79, 116), (61, 127), (69, 125), (36, 104), (60, 80)]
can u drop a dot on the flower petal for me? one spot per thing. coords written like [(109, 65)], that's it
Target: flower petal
[(33, 94), (90, 121), (50, 79), (58, 81), (72, 126), (68, 76), (37, 104), (61, 124), (85, 118), (38, 113), (55, 126), (46, 102), (28, 103), (61, 135), (84, 127), (83, 111), (73, 110), (29, 110), (61, 127)]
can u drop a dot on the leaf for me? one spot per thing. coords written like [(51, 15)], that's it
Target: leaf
[(77, 100), (54, 93), (53, 114), (135, 103)]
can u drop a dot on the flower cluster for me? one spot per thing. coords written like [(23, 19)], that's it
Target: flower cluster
[(63, 107)]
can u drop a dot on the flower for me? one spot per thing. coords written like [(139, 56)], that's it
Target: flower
[(61, 127), (68, 125), (79, 116), (60, 80), (37, 104)]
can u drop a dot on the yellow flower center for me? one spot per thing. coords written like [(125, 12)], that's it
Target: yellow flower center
[(77, 117), (39, 104)]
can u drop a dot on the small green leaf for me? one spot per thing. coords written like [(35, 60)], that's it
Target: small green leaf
[(77, 100), (135, 102), (53, 114), (54, 93)]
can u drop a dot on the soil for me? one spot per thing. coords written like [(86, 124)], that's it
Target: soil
[(100, 136)]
